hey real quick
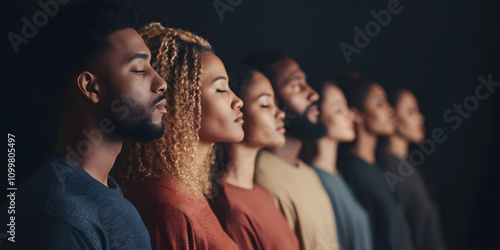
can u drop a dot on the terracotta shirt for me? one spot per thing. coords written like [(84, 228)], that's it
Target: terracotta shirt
[(251, 219), (176, 220)]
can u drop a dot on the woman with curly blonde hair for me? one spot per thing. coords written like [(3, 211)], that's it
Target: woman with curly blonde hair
[(166, 179)]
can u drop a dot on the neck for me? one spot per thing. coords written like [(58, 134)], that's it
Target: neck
[(398, 146), (81, 140), (241, 166), (365, 145), (326, 157), (290, 151)]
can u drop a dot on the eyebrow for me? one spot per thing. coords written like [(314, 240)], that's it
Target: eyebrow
[(139, 56), (264, 94), (220, 78), (296, 77)]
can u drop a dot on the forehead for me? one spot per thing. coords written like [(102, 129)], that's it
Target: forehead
[(332, 92), (406, 98), (376, 90), (126, 43), (212, 64), (287, 68), (258, 85)]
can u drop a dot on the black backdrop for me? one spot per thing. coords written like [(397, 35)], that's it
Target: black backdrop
[(437, 48)]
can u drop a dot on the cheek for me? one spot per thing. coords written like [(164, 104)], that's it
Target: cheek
[(259, 130), (332, 124), (214, 114), (406, 124), (210, 118), (295, 103), (378, 122), (375, 118), (217, 121), (339, 127), (326, 118)]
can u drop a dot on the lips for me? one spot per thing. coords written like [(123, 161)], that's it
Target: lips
[(239, 118), (313, 110), (161, 106), (422, 128), (281, 128)]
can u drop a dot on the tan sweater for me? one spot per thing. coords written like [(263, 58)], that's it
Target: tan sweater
[(297, 191)]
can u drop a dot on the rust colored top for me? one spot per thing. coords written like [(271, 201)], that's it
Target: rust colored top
[(176, 220), (252, 220)]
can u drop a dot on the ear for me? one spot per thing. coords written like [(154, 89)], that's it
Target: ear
[(89, 86), (358, 117)]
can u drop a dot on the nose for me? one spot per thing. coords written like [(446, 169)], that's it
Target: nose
[(391, 111), (159, 85), (312, 95), (279, 113), (350, 114), (237, 103)]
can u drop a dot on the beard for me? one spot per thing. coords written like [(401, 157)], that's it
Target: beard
[(137, 124), (303, 129), (141, 131)]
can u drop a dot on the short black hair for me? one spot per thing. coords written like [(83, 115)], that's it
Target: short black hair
[(239, 77), (73, 38), (393, 95), (263, 61), (355, 88)]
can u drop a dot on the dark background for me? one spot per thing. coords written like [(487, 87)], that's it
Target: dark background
[(436, 48)]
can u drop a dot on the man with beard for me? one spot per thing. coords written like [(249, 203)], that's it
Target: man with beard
[(96, 67), (296, 189)]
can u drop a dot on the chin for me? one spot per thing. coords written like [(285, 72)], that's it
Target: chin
[(350, 139), (274, 145), (418, 140), (238, 137), (386, 133), (391, 131), (280, 143)]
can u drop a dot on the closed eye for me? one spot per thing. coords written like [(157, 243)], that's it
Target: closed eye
[(265, 106), (221, 91), (138, 72)]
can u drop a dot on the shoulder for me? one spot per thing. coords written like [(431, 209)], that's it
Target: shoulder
[(269, 161)]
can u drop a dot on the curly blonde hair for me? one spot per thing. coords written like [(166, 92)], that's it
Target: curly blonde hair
[(176, 56)]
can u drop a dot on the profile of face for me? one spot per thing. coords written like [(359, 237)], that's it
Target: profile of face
[(293, 90), (378, 114), (409, 120), (126, 88), (221, 118), (336, 115), (264, 126)]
